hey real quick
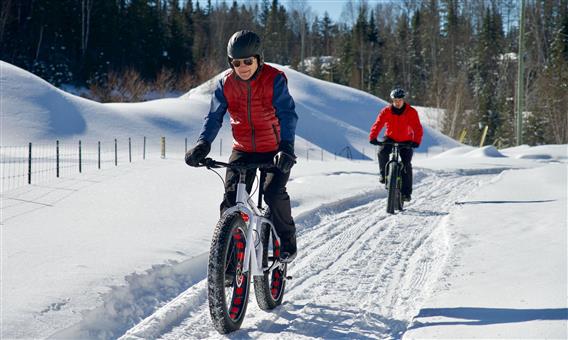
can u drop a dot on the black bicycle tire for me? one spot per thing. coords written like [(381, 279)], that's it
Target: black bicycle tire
[(391, 194), (399, 200), (220, 247), (270, 287)]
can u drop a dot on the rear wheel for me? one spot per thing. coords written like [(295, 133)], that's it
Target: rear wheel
[(392, 186), (228, 286), (269, 288)]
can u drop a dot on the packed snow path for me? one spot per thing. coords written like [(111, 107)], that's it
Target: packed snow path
[(360, 273)]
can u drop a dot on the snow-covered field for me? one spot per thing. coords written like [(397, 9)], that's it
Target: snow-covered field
[(480, 252)]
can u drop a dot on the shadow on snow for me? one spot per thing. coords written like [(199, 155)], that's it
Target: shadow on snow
[(474, 316)]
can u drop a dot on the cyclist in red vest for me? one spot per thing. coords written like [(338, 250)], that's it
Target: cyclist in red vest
[(263, 122), (402, 125)]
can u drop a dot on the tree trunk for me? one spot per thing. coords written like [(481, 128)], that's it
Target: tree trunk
[(5, 12)]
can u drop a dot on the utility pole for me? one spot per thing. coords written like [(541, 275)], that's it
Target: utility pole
[(520, 75), (302, 42)]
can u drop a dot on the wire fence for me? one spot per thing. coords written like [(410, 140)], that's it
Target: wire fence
[(41, 163)]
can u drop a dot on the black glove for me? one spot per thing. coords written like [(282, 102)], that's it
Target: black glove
[(196, 155), (285, 159), (414, 145), (374, 141)]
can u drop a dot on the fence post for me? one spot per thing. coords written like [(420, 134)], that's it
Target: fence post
[(463, 133), (57, 159), (129, 151), (99, 155), (483, 135), (115, 153), (185, 144), (144, 149), (163, 148), (30, 164), (80, 158)]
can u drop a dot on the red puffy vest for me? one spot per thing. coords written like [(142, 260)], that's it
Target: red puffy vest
[(253, 116)]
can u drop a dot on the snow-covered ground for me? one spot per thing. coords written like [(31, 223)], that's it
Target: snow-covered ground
[(480, 252)]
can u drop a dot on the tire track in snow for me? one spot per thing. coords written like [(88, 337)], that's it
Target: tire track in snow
[(360, 273)]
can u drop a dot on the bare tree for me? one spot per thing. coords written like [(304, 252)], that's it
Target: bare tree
[(301, 17)]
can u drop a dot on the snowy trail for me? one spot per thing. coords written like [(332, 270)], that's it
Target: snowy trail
[(360, 273)]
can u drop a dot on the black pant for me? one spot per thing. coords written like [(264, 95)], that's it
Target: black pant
[(275, 194), (406, 157)]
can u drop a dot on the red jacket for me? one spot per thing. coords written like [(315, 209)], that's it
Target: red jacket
[(405, 127)]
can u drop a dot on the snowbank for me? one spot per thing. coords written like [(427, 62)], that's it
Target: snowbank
[(332, 117)]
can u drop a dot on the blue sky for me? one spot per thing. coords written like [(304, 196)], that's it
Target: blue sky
[(333, 7)]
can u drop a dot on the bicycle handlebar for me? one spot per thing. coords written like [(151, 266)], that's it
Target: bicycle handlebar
[(213, 164), (399, 144)]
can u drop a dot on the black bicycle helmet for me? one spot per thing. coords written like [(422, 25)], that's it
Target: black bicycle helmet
[(397, 93), (244, 44)]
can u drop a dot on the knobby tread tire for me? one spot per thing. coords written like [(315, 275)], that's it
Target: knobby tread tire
[(264, 285), (220, 247), (392, 178), (399, 201)]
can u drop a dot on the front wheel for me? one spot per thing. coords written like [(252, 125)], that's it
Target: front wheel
[(228, 286), (399, 200), (393, 197), (269, 288)]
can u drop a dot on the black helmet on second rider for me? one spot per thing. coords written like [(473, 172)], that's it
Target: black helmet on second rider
[(244, 44), (397, 93)]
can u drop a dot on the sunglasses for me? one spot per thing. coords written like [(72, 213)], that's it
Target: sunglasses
[(247, 61)]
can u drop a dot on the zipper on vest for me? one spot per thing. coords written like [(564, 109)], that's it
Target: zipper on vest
[(276, 134), (249, 95)]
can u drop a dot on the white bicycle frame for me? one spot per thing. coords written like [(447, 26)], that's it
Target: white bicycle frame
[(253, 255)]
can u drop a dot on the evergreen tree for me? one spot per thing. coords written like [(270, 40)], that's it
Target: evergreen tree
[(328, 33), (179, 55), (347, 68), (360, 44), (400, 67), (418, 74), (374, 56), (201, 47), (547, 120), (447, 53), (489, 105), (275, 39)]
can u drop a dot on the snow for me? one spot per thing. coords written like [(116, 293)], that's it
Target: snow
[(480, 252), (529, 237), (431, 117)]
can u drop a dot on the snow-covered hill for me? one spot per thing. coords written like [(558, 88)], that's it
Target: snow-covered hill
[(480, 252), (35, 111)]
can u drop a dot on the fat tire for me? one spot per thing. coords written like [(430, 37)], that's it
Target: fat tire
[(392, 179), (269, 288), (399, 201), (223, 246)]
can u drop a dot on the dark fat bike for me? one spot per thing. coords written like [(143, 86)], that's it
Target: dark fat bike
[(244, 243), (393, 178)]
